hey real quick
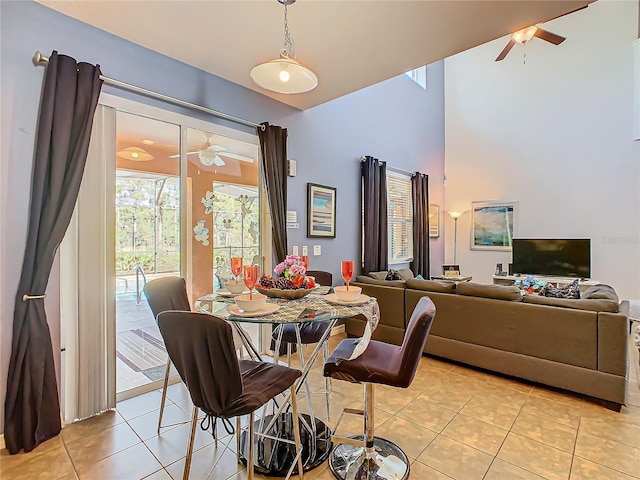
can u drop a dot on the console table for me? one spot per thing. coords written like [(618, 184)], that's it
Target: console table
[(510, 279)]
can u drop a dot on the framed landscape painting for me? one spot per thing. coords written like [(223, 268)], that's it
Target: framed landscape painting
[(493, 225), (321, 211)]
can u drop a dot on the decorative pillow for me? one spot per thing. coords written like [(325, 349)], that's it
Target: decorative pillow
[(405, 273), (378, 275), (419, 277), (431, 285), (568, 291), (500, 292), (393, 275), (601, 292)]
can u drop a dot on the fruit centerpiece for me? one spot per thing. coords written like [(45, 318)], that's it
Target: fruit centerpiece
[(290, 280)]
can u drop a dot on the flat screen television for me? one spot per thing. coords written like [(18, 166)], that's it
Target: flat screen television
[(557, 257)]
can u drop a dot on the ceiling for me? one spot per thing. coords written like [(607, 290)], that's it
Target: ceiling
[(350, 45)]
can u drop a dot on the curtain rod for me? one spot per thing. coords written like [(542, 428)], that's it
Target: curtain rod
[(40, 60), (394, 169)]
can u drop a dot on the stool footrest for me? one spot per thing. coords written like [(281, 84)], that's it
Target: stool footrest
[(337, 440)]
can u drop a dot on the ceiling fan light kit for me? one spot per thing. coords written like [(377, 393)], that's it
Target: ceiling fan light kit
[(284, 74)]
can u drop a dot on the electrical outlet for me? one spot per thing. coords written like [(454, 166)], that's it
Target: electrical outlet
[(317, 250), (295, 250), (305, 251)]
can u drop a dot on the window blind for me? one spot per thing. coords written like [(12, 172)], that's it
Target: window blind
[(400, 219)]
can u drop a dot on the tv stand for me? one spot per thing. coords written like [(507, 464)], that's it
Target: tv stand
[(510, 279)]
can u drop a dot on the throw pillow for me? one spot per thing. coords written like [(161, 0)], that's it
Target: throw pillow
[(601, 291), (393, 275), (419, 277), (378, 275), (568, 291), (405, 273)]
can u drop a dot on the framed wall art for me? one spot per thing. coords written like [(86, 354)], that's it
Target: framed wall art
[(434, 220), (493, 224), (321, 211)]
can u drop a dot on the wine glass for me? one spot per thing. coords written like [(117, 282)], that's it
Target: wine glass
[(250, 278), (236, 266), (305, 260), (346, 268)]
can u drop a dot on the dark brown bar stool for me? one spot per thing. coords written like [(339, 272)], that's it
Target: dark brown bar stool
[(365, 456), (166, 293), (222, 386)]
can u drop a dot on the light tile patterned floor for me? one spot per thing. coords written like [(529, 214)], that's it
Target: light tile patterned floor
[(453, 422)]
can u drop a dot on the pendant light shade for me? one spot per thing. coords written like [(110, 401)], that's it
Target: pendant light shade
[(284, 75), (136, 154)]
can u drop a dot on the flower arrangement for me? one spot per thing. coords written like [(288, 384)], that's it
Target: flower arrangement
[(290, 275), (291, 267)]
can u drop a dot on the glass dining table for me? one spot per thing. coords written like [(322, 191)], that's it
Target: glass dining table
[(273, 458)]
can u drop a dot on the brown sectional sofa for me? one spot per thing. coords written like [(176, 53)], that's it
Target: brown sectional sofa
[(577, 345)]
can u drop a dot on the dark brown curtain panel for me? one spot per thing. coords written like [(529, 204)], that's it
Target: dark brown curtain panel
[(273, 143), (374, 199), (69, 99), (420, 201)]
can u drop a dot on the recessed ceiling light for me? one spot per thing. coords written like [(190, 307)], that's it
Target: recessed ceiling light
[(148, 142)]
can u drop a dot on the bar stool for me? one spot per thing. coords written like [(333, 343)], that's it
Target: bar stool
[(366, 456)]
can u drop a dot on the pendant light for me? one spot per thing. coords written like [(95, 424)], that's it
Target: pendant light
[(284, 74)]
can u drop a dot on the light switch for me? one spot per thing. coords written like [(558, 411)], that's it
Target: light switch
[(305, 251), (295, 250), (317, 250)]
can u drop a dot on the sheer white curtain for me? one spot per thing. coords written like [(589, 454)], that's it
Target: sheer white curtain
[(87, 290)]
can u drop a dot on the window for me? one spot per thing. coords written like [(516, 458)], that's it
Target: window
[(419, 75), (400, 218)]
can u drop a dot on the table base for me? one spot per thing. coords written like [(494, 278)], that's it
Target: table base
[(273, 458)]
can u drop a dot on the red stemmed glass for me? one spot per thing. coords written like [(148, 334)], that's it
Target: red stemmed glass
[(305, 260), (236, 266), (346, 268), (250, 278)]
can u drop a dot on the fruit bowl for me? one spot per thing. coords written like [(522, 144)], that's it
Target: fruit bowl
[(290, 294)]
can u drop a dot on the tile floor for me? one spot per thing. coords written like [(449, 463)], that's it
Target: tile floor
[(453, 422)]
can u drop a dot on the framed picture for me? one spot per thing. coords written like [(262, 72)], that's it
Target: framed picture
[(321, 211), (493, 225), (434, 220)]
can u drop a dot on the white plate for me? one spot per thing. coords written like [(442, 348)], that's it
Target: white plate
[(359, 300), (266, 310), (227, 293)]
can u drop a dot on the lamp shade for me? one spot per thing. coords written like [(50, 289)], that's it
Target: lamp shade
[(136, 154), (284, 75), (455, 215)]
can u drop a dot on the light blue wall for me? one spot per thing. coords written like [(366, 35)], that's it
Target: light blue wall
[(395, 121)]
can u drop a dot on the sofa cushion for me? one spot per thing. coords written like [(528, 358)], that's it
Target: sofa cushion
[(431, 285), (500, 292), (592, 305), (375, 281), (601, 291)]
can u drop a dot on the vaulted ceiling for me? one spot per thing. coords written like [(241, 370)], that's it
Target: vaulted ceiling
[(349, 44)]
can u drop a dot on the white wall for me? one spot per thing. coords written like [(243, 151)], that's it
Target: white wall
[(555, 134)]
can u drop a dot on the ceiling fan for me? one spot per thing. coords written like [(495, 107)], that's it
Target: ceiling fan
[(209, 154), (526, 34)]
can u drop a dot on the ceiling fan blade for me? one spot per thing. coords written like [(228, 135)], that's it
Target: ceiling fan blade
[(177, 155), (549, 37), (236, 156), (505, 50)]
